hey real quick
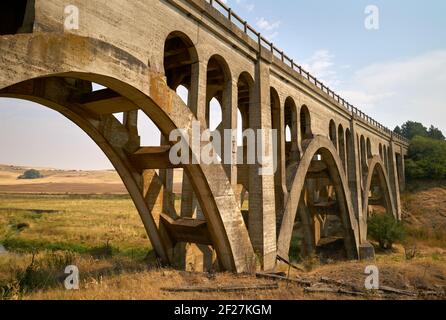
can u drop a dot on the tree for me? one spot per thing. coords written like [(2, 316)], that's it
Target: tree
[(435, 133), (398, 130), (31, 174), (386, 230), (412, 129), (427, 151), (426, 159)]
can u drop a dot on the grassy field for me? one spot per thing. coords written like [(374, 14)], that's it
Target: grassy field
[(103, 236)]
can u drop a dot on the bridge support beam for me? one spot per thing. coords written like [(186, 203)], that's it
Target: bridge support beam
[(354, 176), (394, 178), (262, 218)]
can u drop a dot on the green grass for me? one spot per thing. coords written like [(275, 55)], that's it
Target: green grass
[(103, 234), (80, 224)]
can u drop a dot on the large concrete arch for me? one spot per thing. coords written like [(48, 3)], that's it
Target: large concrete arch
[(377, 165), (76, 115), (35, 56), (320, 145)]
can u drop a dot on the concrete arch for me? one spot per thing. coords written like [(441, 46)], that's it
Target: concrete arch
[(377, 165), (123, 167), (33, 56), (320, 145)]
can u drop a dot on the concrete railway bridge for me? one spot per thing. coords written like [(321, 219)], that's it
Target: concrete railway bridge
[(335, 164)]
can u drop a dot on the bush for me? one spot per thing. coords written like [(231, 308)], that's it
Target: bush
[(31, 174), (385, 230)]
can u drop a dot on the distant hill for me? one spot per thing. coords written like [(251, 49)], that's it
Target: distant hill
[(56, 181), (60, 181)]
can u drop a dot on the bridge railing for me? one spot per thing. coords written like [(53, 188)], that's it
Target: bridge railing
[(262, 41)]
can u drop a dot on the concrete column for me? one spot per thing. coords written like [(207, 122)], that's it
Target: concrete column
[(308, 243), (166, 176), (192, 257), (229, 113), (295, 152), (401, 169), (393, 177), (153, 193), (262, 218), (280, 188), (354, 167), (130, 121), (197, 104)]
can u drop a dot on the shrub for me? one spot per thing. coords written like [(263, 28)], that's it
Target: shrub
[(385, 230), (31, 174)]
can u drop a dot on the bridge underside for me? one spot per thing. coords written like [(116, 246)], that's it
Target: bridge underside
[(328, 180)]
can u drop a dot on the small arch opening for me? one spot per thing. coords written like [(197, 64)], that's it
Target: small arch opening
[(16, 17), (341, 144), (369, 149), (305, 123), (179, 57), (333, 133), (291, 131)]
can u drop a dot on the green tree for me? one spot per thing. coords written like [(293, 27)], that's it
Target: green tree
[(31, 174), (412, 129), (426, 159), (435, 133)]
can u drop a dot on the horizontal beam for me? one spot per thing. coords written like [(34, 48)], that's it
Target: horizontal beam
[(106, 101), (187, 230), (149, 158)]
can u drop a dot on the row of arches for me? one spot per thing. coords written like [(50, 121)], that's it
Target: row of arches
[(293, 124), (181, 64)]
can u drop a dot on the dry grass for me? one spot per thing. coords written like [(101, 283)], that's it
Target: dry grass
[(121, 278), (78, 223), (104, 237), (424, 211)]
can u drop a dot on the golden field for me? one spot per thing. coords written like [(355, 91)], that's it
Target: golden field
[(102, 234)]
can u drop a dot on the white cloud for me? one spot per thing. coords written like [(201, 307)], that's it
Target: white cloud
[(396, 91), (246, 5), (269, 28), (321, 65)]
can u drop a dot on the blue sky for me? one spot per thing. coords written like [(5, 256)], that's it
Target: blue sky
[(395, 73)]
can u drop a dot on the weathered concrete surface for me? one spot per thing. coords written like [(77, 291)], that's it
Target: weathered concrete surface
[(142, 51)]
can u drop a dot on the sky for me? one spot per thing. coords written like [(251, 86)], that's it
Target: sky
[(394, 73)]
